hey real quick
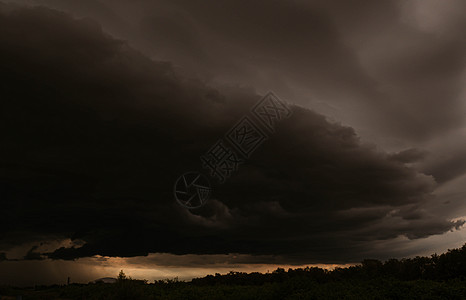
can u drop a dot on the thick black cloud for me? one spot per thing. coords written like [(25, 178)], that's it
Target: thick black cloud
[(393, 69), (382, 64), (95, 134)]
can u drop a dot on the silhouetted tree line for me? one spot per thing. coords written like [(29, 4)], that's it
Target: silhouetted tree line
[(450, 265), (435, 277)]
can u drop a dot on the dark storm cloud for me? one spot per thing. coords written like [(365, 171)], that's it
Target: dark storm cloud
[(95, 134), (392, 69), (360, 55), (387, 66)]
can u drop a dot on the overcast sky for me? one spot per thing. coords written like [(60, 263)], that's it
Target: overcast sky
[(105, 103)]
